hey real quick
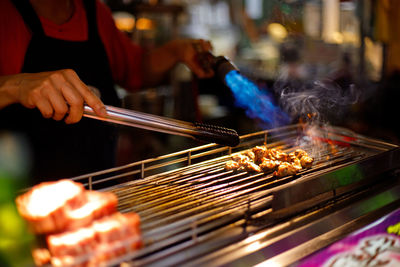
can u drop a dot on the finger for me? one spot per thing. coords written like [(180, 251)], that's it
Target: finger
[(205, 45), (200, 64), (44, 107), (88, 96), (57, 101), (199, 71), (75, 102), (66, 95)]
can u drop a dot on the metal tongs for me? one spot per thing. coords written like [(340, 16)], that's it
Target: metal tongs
[(199, 131)]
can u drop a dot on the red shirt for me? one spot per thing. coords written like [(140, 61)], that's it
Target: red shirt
[(123, 55)]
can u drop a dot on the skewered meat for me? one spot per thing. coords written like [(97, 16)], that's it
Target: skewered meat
[(231, 165), (259, 153), (269, 164), (306, 161), (285, 169), (300, 153), (260, 158), (250, 154), (240, 158), (276, 154), (296, 164), (249, 166), (242, 162)]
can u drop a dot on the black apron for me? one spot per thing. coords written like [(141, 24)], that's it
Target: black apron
[(60, 150)]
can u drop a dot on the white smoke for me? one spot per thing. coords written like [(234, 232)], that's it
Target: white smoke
[(319, 101)]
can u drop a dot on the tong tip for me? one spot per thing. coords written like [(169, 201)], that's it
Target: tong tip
[(217, 134)]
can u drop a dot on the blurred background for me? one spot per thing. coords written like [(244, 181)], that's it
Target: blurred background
[(340, 57)]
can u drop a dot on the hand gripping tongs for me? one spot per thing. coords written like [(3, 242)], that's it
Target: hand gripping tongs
[(199, 131)]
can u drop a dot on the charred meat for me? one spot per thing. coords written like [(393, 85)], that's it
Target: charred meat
[(262, 159)]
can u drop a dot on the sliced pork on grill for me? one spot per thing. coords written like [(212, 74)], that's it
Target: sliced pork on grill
[(45, 206), (98, 243), (260, 158), (98, 205), (58, 206), (82, 228)]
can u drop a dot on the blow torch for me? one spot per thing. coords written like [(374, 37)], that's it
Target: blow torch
[(221, 65)]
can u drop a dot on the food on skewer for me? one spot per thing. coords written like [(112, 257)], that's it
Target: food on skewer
[(241, 158), (260, 158), (306, 161), (250, 154), (269, 164), (232, 165), (242, 163), (300, 153), (285, 169), (259, 152), (276, 154), (249, 166)]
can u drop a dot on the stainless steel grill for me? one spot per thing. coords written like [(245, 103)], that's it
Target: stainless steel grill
[(192, 209)]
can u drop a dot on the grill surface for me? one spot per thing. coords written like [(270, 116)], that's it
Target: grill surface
[(190, 206)]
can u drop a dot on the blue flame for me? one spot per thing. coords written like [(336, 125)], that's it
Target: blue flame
[(258, 104)]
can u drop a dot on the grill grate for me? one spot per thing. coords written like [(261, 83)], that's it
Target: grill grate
[(187, 197)]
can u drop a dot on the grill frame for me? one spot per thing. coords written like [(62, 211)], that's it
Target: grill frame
[(273, 204), (189, 157)]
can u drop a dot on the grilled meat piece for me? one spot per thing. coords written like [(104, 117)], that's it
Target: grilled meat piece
[(240, 158), (292, 157), (259, 153), (231, 165), (242, 162), (98, 205), (250, 154), (276, 154), (305, 159), (46, 205), (297, 164), (41, 256), (286, 169), (306, 162), (249, 166), (98, 243), (300, 153), (63, 205), (269, 164), (83, 228)]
